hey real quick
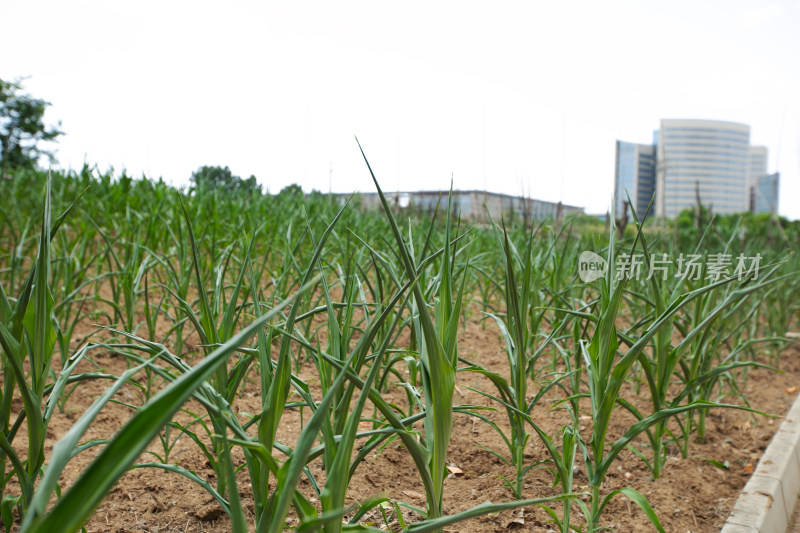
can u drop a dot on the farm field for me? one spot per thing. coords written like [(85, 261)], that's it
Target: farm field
[(143, 499), (213, 360)]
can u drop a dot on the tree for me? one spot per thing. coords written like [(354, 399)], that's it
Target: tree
[(622, 222), (207, 177), (22, 128)]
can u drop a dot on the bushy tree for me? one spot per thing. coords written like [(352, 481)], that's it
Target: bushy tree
[(214, 177), (293, 190), (22, 128)]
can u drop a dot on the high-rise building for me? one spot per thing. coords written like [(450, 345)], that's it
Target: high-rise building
[(711, 159), (634, 176), (764, 194), (763, 187), (758, 163)]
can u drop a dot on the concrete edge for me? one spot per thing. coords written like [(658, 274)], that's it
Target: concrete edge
[(767, 502)]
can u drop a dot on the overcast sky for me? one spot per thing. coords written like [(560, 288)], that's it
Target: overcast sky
[(507, 96)]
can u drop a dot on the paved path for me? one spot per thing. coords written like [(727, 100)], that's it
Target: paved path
[(794, 527)]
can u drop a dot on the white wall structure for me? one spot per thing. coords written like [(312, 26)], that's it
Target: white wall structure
[(475, 206)]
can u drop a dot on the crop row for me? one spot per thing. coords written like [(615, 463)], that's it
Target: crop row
[(200, 290)]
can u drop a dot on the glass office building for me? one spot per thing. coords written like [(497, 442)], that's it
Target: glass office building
[(758, 163), (712, 158), (708, 157), (764, 194), (634, 176)]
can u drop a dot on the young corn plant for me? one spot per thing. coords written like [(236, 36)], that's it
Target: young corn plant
[(71, 279), (437, 341), (607, 369), (28, 332), (695, 360), (125, 284), (563, 458), (523, 276), (215, 326), (78, 503), (271, 512), (714, 322), (422, 450), (340, 431), (179, 267)]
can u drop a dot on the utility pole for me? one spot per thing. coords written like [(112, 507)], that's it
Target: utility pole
[(563, 152), (484, 148)]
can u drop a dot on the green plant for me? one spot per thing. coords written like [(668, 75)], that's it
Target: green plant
[(28, 333)]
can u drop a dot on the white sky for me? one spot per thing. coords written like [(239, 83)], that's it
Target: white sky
[(500, 95)]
